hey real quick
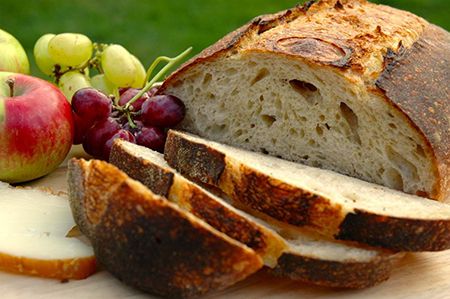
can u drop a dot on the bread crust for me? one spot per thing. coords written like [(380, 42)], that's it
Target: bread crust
[(295, 206), (355, 275), (149, 243), (190, 197), (352, 37), (313, 270), (417, 82)]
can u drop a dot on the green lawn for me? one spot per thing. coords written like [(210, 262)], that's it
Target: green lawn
[(158, 27)]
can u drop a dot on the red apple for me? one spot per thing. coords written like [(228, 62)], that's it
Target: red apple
[(13, 57), (36, 127)]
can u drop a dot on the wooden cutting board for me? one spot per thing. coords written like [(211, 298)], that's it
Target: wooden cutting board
[(422, 275)]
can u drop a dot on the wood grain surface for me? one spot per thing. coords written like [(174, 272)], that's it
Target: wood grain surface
[(421, 275)]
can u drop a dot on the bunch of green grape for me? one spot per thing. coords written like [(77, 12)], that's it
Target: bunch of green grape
[(69, 58)]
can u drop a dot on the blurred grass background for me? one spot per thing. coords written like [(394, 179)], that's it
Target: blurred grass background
[(159, 27)]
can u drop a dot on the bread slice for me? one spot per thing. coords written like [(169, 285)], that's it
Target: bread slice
[(336, 205), (305, 256), (148, 242), (346, 85), (150, 168), (33, 240)]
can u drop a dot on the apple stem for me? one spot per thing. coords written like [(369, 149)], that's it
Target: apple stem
[(10, 82)]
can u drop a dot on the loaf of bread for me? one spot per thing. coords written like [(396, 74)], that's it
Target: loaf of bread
[(298, 254), (336, 205), (346, 85), (148, 242)]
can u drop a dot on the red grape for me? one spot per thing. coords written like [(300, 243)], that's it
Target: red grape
[(163, 111), (97, 136), (91, 105), (151, 137), (123, 89), (138, 124), (129, 94), (122, 134), (152, 91), (81, 128)]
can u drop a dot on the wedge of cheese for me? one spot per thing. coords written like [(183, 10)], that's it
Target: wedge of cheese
[(33, 241)]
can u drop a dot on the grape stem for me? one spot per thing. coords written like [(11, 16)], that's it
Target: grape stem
[(170, 62), (154, 64)]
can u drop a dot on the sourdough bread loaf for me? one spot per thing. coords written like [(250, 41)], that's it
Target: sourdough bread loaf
[(346, 85), (148, 242), (299, 254), (336, 205)]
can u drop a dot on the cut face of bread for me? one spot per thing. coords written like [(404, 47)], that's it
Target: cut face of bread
[(347, 86), (33, 228), (148, 242), (334, 204), (305, 255)]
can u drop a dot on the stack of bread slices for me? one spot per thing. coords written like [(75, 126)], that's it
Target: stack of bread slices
[(205, 215), (322, 152)]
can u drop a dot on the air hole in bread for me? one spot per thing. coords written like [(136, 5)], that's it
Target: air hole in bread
[(211, 96), (262, 73), (216, 129), (293, 132), (238, 133), (264, 151), (319, 130), (408, 170), (317, 164), (268, 120), (352, 120), (393, 178), (420, 151), (393, 126), (322, 117), (231, 71), (302, 133), (206, 79), (306, 90)]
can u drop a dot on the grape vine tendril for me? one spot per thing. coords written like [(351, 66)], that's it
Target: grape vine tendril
[(170, 62)]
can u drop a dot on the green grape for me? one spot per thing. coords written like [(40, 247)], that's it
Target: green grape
[(41, 55), (118, 66), (70, 49), (140, 75), (101, 83), (72, 81)]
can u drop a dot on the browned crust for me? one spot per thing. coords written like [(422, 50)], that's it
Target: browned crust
[(299, 207), (423, 97), (416, 81), (148, 243), (249, 187), (198, 201), (157, 179), (355, 275), (396, 233)]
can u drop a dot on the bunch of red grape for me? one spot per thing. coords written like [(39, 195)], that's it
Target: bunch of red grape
[(98, 121)]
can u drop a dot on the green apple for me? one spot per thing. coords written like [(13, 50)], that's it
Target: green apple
[(13, 57)]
